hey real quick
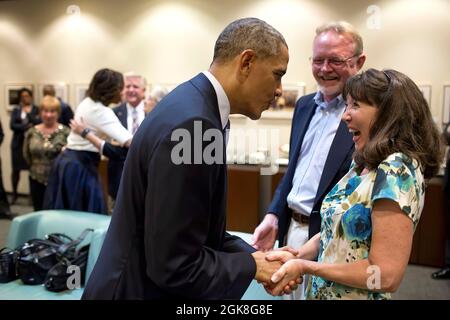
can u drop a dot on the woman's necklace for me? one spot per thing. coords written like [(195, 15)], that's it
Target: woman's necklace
[(46, 134)]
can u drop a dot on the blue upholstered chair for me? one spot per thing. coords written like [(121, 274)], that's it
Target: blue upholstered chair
[(72, 223), (37, 225)]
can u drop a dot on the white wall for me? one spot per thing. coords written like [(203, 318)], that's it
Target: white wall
[(170, 41)]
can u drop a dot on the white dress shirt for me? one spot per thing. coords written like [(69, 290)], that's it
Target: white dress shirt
[(314, 152), (222, 99), (140, 115)]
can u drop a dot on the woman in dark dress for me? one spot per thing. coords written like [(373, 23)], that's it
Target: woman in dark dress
[(23, 117)]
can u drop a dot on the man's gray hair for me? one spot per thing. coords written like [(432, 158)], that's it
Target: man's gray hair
[(248, 33), (49, 90), (343, 27), (158, 93), (136, 75)]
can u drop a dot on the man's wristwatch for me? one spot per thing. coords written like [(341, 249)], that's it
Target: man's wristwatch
[(85, 132)]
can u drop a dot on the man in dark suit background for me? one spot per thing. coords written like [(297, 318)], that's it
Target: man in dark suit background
[(131, 114), (5, 212), (66, 111), (321, 147), (167, 235)]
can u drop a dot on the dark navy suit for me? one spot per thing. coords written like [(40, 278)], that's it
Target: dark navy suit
[(167, 234), (66, 113), (115, 164), (336, 166)]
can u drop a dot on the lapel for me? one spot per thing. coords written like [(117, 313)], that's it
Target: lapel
[(122, 114), (300, 124), (342, 144)]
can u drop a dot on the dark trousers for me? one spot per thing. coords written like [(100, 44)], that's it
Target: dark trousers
[(37, 191), (4, 205)]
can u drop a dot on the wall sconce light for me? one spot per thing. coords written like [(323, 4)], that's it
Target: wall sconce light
[(73, 10)]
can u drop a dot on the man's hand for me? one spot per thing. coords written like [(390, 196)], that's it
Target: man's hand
[(282, 254), (264, 268), (266, 233), (76, 126)]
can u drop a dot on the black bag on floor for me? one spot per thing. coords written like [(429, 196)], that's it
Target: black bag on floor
[(37, 256), (58, 276), (8, 261)]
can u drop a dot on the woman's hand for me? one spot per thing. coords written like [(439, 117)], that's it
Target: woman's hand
[(77, 127), (290, 272)]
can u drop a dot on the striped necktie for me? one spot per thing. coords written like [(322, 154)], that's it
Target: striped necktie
[(134, 115)]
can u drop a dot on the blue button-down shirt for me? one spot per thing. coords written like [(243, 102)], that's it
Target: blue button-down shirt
[(314, 152)]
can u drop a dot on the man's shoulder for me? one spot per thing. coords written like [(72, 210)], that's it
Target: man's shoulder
[(306, 99), (120, 107)]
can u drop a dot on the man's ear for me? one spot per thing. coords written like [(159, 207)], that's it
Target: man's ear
[(246, 60), (360, 61)]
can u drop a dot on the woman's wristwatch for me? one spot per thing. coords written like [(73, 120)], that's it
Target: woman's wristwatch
[(85, 132)]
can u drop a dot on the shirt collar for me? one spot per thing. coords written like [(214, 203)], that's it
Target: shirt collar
[(139, 107), (335, 103), (222, 99)]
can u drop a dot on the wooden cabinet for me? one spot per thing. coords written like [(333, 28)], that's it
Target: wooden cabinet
[(431, 233), (243, 198)]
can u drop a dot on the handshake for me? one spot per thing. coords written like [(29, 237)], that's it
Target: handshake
[(279, 271)]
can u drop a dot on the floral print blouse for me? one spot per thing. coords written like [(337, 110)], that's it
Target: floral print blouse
[(346, 229), (39, 150)]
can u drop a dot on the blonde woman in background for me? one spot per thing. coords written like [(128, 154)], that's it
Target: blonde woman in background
[(42, 144)]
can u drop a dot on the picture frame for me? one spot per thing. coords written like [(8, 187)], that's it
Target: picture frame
[(12, 93), (446, 105), (80, 93), (61, 90), (291, 93), (426, 91)]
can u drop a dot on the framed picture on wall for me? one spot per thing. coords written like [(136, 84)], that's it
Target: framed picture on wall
[(426, 91), (80, 93), (12, 93), (446, 105), (291, 93), (61, 90)]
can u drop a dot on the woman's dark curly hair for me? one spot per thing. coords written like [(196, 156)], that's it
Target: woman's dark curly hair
[(106, 86), (403, 122)]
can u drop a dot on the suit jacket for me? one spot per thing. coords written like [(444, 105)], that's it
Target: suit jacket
[(336, 166), (115, 164), (167, 234), (66, 113), (19, 126)]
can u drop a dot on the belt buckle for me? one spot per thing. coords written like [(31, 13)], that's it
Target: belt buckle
[(297, 216)]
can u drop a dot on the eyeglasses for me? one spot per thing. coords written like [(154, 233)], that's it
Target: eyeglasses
[(333, 62)]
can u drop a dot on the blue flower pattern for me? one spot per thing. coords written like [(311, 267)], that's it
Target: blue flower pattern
[(346, 229)]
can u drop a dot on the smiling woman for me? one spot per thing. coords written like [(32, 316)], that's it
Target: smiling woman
[(42, 145), (369, 217)]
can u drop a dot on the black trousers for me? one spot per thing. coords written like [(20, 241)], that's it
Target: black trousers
[(4, 205), (37, 191)]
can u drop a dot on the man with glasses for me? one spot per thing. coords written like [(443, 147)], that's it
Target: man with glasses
[(320, 146)]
